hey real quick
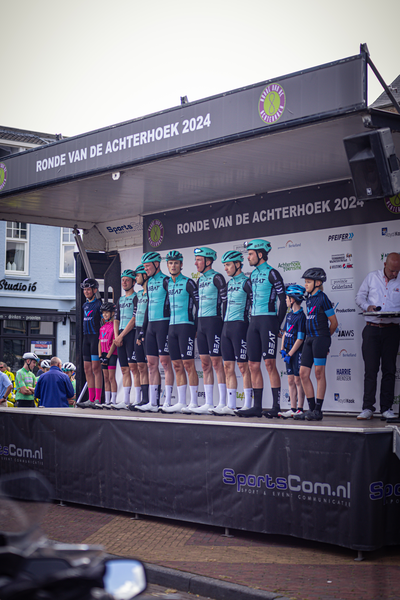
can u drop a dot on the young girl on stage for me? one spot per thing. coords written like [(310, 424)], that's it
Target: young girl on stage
[(108, 352), (321, 324)]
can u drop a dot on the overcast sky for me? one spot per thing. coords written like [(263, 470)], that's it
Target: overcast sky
[(71, 67)]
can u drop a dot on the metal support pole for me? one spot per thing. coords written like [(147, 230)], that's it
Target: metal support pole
[(84, 257)]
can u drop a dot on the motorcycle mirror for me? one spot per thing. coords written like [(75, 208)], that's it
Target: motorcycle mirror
[(124, 579)]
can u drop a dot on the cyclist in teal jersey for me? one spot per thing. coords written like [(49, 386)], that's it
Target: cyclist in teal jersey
[(124, 332), (234, 331), (156, 338), (264, 327), (212, 304), (140, 312), (184, 303)]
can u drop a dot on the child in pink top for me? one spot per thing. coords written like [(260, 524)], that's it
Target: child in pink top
[(108, 352)]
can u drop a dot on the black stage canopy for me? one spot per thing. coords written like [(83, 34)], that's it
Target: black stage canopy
[(276, 135)]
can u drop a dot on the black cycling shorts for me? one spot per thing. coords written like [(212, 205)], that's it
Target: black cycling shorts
[(112, 361), (156, 339), (181, 341), (315, 350), (126, 352), (139, 348), (233, 341), (209, 335), (262, 336), (90, 347), (293, 368)]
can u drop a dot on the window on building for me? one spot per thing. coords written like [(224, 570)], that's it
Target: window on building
[(17, 248), (68, 247)]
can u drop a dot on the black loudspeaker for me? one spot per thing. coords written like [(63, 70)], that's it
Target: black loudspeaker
[(373, 164)]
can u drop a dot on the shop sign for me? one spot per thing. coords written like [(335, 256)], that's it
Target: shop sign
[(42, 348), (18, 286)]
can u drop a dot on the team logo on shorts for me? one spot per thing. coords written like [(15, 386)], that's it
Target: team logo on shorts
[(3, 175), (272, 102), (392, 204), (155, 233)]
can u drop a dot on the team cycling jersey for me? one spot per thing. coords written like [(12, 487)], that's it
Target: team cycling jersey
[(267, 286), (91, 316), (125, 307), (212, 294), (158, 301), (319, 308), (141, 307), (295, 328), (183, 298), (239, 300)]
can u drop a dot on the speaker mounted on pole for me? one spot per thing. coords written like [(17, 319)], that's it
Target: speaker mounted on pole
[(373, 163)]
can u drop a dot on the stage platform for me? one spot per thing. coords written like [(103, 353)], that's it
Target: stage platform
[(335, 481)]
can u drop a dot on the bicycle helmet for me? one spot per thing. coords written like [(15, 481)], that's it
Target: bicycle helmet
[(206, 252), (128, 273), (108, 306), (69, 366), (149, 257), (315, 273), (45, 364), (174, 255), (30, 356), (297, 292), (232, 256), (89, 283), (140, 270), (258, 245)]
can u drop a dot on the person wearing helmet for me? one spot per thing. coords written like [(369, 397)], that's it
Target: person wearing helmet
[(124, 331), (234, 331), (212, 305), (266, 319), (292, 340), (108, 352), (156, 339), (25, 382), (184, 304), (321, 323), (139, 314), (70, 369), (91, 328)]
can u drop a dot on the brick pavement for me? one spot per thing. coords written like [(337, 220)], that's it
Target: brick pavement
[(294, 568)]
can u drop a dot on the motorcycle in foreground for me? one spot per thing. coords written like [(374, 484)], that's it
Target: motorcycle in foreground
[(35, 568)]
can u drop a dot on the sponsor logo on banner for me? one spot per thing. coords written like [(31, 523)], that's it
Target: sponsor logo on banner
[(388, 492), (123, 228), (386, 233), (337, 398), (344, 334), (290, 486), (3, 175), (344, 354), (392, 204), (341, 261), (28, 456), (291, 266), (384, 255), (340, 237), (343, 374), (342, 284), (271, 104), (289, 244), (155, 233)]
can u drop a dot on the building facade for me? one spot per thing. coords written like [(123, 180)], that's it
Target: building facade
[(37, 278)]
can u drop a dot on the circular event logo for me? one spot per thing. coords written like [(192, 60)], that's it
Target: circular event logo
[(272, 102), (392, 204), (3, 175), (155, 233)]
